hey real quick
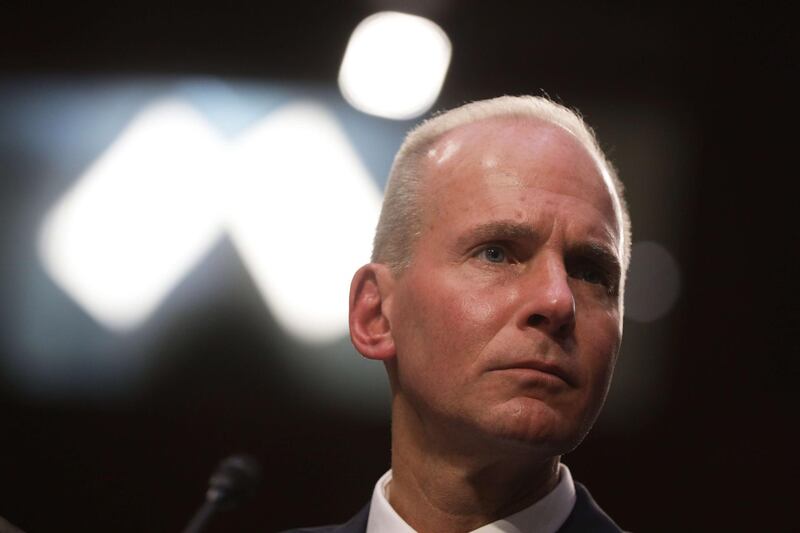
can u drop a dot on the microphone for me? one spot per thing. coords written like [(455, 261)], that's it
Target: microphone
[(235, 480)]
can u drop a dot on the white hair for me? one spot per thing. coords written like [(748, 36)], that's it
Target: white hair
[(401, 217)]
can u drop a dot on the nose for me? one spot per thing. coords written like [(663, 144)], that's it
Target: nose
[(549, 302)]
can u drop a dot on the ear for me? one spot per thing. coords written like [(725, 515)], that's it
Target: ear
[(370, 330)]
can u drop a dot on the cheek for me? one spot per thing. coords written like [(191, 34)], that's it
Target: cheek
[(471, 315), (451, 325), (450, 305), (599, 354), (444, 327), (475, 310)]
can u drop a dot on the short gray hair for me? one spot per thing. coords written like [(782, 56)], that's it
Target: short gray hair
[(401, 215)]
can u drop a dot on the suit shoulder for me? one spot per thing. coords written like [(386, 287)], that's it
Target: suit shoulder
[(587, 515), (357, 524), (317, 529)]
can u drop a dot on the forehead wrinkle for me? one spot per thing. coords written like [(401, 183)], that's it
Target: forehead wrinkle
[(609, 222), (601, 236)]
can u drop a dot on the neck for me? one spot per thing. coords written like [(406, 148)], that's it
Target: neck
[(439, 487)]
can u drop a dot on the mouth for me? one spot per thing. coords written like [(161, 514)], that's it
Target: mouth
[(533, 367)]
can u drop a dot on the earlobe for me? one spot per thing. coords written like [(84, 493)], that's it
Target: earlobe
[(370, 328)]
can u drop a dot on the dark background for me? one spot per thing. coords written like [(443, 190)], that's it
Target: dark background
[(716, 452)]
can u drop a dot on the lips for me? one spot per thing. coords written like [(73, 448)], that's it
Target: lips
[(540, 366)]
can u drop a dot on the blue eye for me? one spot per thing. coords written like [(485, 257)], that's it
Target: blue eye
[(494, 254)]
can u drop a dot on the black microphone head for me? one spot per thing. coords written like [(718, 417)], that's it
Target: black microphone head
[(235, 480)]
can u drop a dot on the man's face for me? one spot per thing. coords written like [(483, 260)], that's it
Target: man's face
[(507, 322)]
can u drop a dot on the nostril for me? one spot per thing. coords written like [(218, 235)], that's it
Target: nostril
[(536, 320), (557, 329)]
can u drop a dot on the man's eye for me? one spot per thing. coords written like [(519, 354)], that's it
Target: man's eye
[(592, 275), (494, 254)]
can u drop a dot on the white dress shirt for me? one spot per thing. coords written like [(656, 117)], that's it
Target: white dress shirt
[(544, 516)]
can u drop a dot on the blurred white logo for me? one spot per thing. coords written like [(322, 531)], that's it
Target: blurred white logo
[(290, 191)]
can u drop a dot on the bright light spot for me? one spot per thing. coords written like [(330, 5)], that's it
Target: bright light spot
[(653, 282), (394, 65), (302, 214), (295, 197), (139, 218)]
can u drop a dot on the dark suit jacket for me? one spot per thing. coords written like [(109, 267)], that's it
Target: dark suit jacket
[(586, 516)]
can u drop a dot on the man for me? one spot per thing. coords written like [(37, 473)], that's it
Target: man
[(494, 299)]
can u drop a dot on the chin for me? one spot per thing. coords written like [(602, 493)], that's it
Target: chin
[(533, 424)]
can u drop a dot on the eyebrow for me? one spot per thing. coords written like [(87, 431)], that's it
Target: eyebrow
[(498, 230), (599, 254)]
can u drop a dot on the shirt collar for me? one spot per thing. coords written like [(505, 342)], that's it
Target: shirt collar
[(545, 515)]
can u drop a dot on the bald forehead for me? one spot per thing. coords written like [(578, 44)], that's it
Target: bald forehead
[(521, 153), (502, 146), (520, 127)]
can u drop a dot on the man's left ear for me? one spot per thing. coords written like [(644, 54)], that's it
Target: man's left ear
[(370, 329)]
